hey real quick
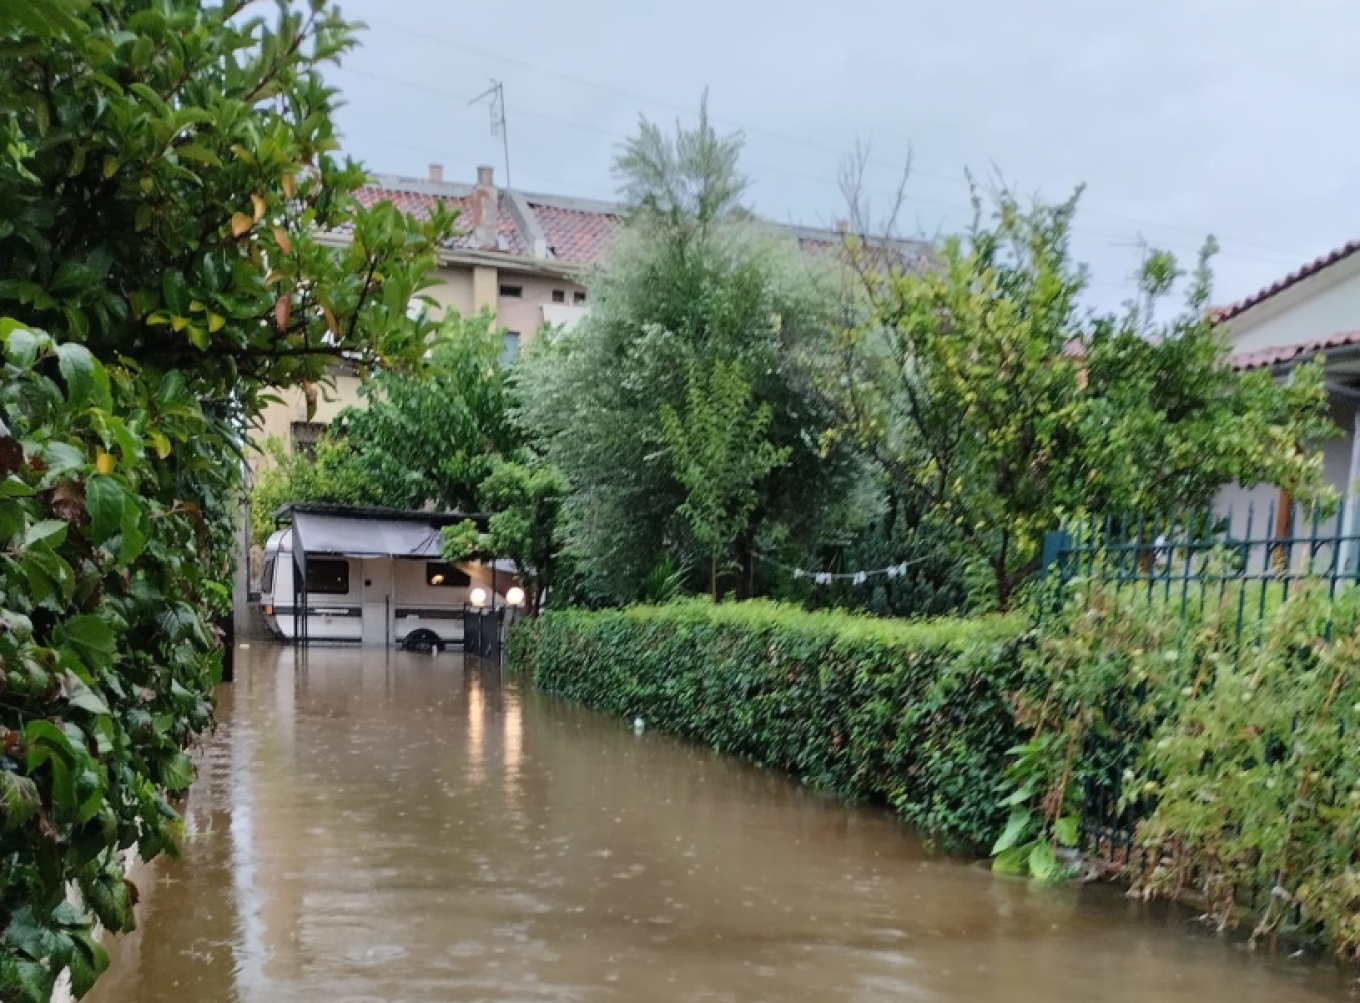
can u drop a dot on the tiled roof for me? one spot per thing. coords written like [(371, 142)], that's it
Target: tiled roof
[(508, 238), (575, 235), (1280, 285), (577, 232), (1266, 358)]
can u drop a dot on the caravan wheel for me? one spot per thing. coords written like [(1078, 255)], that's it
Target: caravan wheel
[(423, 641)]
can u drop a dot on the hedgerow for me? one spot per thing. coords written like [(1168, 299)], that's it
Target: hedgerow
[(917, 715)]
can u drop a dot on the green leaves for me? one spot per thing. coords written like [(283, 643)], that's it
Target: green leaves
[(19, 798)]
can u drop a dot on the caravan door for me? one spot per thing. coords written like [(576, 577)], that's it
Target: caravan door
[(376, 575)]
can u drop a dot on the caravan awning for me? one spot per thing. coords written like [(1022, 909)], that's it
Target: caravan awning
[(347, 536)]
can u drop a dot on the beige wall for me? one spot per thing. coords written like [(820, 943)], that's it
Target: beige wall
[(467, 289), (1320, 306)]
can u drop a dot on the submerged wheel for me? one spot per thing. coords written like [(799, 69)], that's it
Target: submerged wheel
[(423, 641)]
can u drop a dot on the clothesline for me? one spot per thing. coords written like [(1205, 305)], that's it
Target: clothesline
[(854, 577)]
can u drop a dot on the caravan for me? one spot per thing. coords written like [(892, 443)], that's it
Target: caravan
[(374, 577)]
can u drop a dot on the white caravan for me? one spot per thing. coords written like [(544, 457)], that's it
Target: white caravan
[(373, 576)]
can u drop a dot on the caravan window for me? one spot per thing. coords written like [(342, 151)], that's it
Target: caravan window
[(442, 574), (327, 577), (267, 575)]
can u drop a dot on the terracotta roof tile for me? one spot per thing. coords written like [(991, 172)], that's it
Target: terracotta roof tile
[(419, 204), (577, 236), (1265, 358), (1280, 285)]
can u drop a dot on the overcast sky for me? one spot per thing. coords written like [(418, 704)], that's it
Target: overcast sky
[(1183, 117)]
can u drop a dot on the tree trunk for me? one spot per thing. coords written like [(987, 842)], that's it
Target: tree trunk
[(713, 576)]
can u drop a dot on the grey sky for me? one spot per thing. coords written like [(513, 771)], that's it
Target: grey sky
[(1183, 117)]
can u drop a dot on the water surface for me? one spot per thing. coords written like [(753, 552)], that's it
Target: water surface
[(386, 827)]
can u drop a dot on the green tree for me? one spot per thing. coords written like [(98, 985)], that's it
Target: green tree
[(429, 435), (172, 217), (524, 497), (693, 281), (333, 474), (986, 390), (719, 453)]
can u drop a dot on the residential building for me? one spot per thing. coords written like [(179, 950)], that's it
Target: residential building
[(1311, 313)]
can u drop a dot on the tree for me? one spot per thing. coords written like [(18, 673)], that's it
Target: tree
[(719, 454), (694, 281), (984, 388), (333, 474), (428, 435), (171, 249), (524, 497)]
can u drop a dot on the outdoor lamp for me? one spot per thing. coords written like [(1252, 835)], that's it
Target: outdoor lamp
[(478, 596), (514, 596)]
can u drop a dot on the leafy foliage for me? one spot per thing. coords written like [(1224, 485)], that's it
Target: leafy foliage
[(694, 285), (430, 434), (719, 451), (524, 497), (333, 474), (989, 393), (1231, 745), (169, 211), (914, 714)]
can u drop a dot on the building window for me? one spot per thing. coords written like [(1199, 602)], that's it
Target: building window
[(512, 292), (327, 577), (579, 298), (559, 295), (443, 575), (510, 349)]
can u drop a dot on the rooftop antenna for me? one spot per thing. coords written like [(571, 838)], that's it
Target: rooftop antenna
[(496, 92)]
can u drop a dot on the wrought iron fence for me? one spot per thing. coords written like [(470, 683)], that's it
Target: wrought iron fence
[(1247, 562)]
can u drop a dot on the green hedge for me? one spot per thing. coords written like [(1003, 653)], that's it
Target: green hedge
[(917, 715)]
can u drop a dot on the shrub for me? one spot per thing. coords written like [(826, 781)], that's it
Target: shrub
[(917, 715)]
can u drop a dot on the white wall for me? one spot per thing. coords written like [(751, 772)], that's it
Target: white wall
[(1318, 307)]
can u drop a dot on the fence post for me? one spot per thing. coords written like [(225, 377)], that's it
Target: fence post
[(1056, 544)]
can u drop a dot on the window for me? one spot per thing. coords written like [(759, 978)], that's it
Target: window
[(512, 292), (579, 298), (327, 577), (559, 295), (267, 575), (444, 575), (306, 434), (510, 348)]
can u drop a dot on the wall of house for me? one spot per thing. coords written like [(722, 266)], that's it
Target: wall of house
[(526, 313), (277, 419), (1325, 304)]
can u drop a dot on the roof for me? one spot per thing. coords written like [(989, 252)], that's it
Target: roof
[(1268, 358), (1280, 285), (572, 232), (373, 513)]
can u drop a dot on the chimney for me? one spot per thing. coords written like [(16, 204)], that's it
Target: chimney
[(437, 173), (485, 210)]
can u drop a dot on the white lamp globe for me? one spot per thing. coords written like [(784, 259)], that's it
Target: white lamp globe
[(478, 597), (514, 596)]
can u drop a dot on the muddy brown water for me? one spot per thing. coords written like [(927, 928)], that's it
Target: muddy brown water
[(385, 827)]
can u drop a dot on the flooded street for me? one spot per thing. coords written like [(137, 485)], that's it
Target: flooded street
[(375, 827)]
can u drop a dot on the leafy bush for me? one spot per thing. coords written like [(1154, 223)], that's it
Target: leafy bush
[(914, 714), (1232, 737)]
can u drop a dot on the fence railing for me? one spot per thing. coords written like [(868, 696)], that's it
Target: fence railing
[(1254, 557), (1246, 561)]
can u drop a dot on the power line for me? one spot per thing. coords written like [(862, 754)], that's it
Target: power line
[(1284, 256)]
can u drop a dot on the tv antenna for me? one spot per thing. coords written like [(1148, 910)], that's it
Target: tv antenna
[(496, 93)]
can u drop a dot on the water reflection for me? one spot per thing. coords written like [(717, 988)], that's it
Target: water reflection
[(390, 827)]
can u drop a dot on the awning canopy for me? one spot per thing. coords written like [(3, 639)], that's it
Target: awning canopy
[(361, 536)]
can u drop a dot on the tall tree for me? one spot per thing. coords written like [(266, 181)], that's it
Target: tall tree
[(694, 281), (986, 390)]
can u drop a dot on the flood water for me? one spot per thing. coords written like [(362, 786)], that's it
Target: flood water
[(385, 827)]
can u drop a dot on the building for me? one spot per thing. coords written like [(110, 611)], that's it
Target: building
[(1311, 313)]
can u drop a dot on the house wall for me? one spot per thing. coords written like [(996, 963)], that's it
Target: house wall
[(527, 313), (1325, 304)]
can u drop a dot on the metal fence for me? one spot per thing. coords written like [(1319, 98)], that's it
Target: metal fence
[(1246, 562), (1254, 558)]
